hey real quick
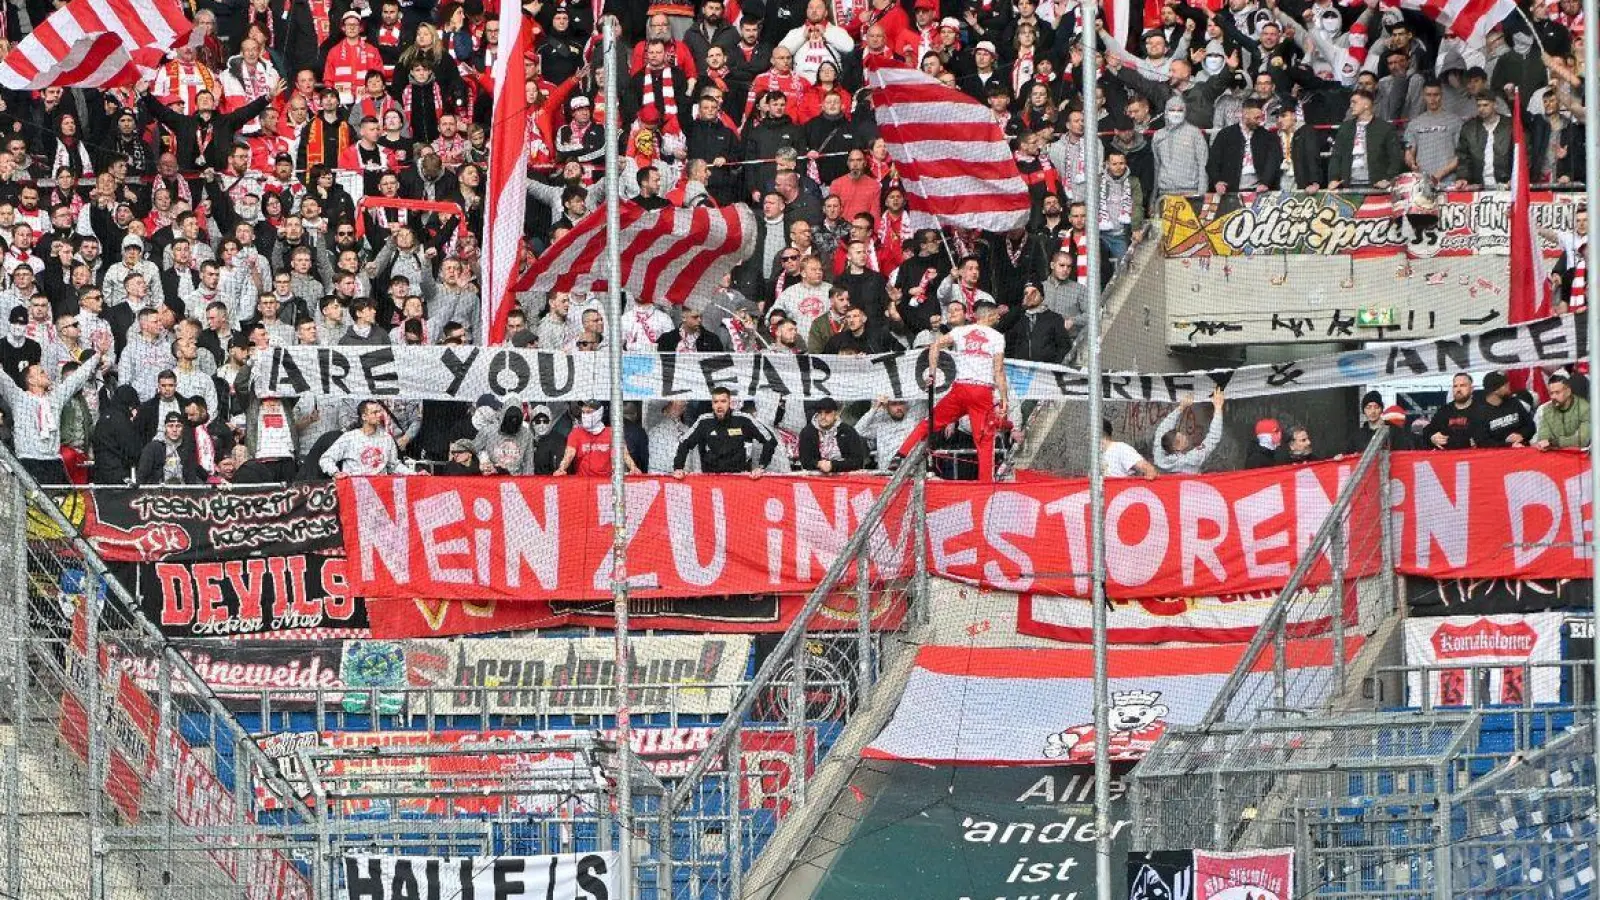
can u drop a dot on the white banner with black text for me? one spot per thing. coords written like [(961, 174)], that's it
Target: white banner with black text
[(569, 876), (454, 373)]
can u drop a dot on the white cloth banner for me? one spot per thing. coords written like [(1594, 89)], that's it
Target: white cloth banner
[(465, 373), (1495, 649), (570, 876)]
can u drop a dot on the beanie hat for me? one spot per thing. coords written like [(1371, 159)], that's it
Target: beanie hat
[(1371, 397)]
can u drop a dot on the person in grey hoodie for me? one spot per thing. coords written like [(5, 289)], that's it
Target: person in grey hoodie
[(36, 416), (1180, 150)]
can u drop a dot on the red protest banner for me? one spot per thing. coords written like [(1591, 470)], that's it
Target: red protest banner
[(1493, 514), (545, 539)]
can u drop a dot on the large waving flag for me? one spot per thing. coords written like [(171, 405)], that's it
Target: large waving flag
[(949, 150), (667, 254), (505, 201), (95, 43), (1469, 20), (1529, 298)]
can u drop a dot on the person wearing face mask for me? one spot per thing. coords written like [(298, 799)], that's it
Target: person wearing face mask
[(1180, 152), (1264, 452), (1522, 68), (588, 450), (506, 447)]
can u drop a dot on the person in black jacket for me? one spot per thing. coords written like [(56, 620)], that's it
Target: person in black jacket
[(204, 139), (1506, 421), (1225, 168), (1305, 170), (116, 441), (170, 458), (1265, 451), (689, 336), (828, 445), (1457, 425), (1034, 332), (723, 438)]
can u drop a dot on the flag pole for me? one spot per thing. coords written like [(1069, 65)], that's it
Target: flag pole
[(1097, 485), (619, 505), (1591, 190)]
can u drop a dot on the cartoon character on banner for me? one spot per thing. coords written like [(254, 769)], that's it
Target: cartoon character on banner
[(1137, 722), (1147, 884)]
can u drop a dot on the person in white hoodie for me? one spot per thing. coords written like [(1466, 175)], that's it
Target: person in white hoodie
[(366, 449), (1173, 451)]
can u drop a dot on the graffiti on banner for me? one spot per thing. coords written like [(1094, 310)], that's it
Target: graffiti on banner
[(569, 876), (148, 525), (259, 595), (1495, 596), (1498, 647), (295, 672), (1330, 223), (692, 674)]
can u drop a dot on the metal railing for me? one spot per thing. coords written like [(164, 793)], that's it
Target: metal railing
[(92, 754)]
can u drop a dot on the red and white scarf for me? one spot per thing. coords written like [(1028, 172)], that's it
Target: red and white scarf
[(1577, 297), (1080, 257), (1021, 71), (321, 17), (667, 102)]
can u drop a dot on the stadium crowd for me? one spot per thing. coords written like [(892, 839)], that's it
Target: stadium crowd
[(312, 172)]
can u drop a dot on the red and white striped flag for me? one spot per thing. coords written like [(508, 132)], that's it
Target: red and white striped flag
[(667, 254), (949, 150), (95, 43), (505, 199), (1529, 299), (1469, 20)]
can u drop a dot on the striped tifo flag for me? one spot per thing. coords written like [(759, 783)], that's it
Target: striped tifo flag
[(667, 254), (949, 150), (506, 177), (96, 43), (1469, 20)]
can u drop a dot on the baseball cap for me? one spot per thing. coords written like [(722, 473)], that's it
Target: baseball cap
[(950, 22), (132, 242), (173, 417), (985, 45), (461, 446), (1266, 426), (579, 101), (926, 4), (19, 315), (350, 14)]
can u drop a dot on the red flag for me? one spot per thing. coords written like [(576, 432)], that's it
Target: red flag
[(505, 200), (96, 43), (1529, 288)]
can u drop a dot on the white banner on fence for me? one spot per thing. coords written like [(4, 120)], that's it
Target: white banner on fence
[(456, 373), (1498, 647), (571, 876)]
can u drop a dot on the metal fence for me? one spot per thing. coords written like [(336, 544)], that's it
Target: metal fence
[(93, 752), (132, 779)]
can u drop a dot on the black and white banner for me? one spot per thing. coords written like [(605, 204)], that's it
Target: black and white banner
[(449, 373), (571, 876)]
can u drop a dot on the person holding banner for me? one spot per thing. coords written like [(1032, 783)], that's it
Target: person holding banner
[(979, 352)]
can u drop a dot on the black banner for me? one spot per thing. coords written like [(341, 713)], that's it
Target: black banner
[(1161, 875), (150, 525), (1495, 596), (225, 598)]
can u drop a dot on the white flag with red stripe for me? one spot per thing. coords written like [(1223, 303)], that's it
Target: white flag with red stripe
[(1469, 20), (96, 43), (949, 150), (667, 254), (505, 199)]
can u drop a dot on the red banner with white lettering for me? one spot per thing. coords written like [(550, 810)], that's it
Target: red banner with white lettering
[(1493, 514), (550, 538)]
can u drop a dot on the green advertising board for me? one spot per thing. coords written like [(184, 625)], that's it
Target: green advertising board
[(974, 833)]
